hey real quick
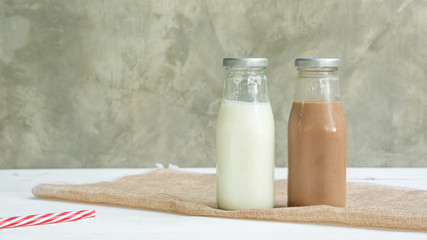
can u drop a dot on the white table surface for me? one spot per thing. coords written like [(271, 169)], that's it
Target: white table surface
[(16, 199)]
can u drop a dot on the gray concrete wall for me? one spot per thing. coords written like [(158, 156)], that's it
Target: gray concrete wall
[(131, 83)]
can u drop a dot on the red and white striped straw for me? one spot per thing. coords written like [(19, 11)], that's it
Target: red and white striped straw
[(49, 218)]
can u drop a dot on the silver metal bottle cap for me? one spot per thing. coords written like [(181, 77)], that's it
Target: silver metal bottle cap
[(245, 62), (317, 62)]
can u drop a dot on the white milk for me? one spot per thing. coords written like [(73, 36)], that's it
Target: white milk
[(245, 155)]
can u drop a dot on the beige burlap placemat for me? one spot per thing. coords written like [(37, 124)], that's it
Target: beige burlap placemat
[(194, 194)]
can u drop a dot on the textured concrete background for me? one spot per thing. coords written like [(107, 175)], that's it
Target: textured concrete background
[(131, 83)]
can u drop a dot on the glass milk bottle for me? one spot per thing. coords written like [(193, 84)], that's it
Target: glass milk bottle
[(317, 136), (245, 137)]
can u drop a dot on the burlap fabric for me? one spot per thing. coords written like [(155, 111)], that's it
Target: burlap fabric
[(194, 194)]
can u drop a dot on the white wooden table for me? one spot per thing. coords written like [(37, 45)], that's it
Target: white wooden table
[(16, 199)]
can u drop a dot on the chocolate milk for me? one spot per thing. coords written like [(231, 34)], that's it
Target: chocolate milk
[(317, 154)]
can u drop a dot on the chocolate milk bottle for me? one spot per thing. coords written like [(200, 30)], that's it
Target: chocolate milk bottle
[(317, 136)]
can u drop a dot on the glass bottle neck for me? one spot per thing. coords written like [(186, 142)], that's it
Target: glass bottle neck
[(245, 84), (317, 85)]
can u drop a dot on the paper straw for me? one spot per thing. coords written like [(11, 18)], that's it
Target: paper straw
[(49, 218)]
